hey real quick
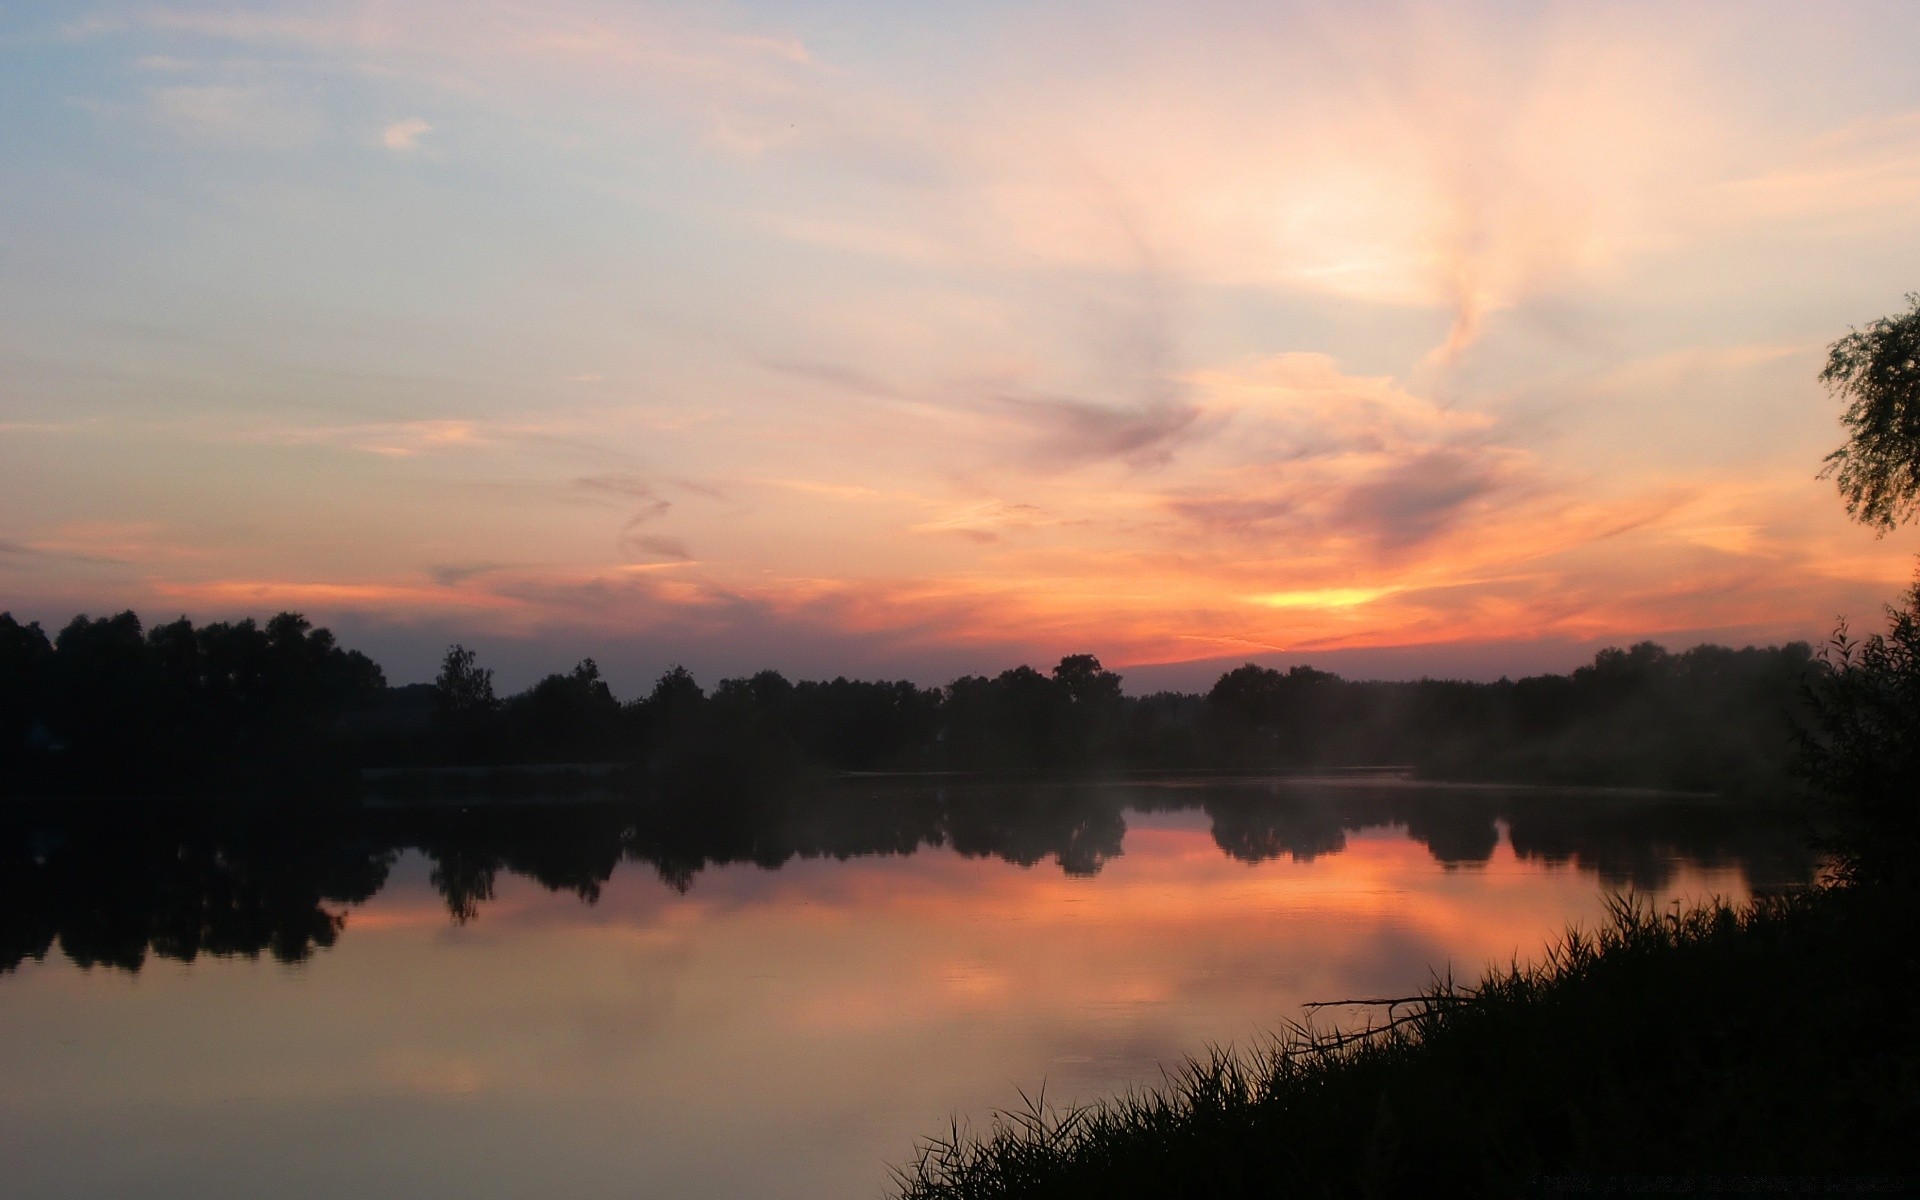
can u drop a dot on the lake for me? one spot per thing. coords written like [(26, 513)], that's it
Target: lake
[(740, 999)]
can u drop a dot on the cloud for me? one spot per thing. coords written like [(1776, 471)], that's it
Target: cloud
[(653, 547), (1299, 406), (1017, 407), (105, 543), (1452, 158), (1538, 565), (623, 487), (404, 136), (256, 595), (98, 25), (986, 523), (224, 113), (388, 439), (10, 549), (1412, 502), (1323, 597), (1314, 460), (1077, 431), (836, 375), (740, 86), (454, 576), (630, 490), (645, 506), (1836, 180)]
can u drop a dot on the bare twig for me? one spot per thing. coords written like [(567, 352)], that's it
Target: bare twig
[(1388, 1002)]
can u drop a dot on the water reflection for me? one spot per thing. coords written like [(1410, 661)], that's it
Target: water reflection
[(111, 892)]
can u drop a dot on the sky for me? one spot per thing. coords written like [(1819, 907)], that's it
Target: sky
[(910, 340)]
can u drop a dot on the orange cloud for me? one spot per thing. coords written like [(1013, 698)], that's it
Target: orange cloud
[(400, 599)]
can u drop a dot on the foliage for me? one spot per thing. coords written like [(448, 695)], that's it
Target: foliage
[(109, 704), (1877, 371), (1862, 750), (463, 688), (1705, 719)]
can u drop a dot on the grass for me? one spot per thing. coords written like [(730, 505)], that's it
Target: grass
[(1748, 1049)]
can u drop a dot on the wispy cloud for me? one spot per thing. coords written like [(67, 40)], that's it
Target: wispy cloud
[(653, 547), (986, 522), (106, 543), (1836, 180), (629, 491), (1309, 457), (454, 576), (33, 552), (1074, 431), (721, 76), (248, 116), (390, 439), (393, 598)]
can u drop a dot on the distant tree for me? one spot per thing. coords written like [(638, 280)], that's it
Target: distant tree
[(1876, 370), (1259, 714), (1028, 712), (1246, 695), (1085, 681), (1091, 728), (464, 687), (564, 718), (676, 694), (26, 657), (763, 697), (102, 692)]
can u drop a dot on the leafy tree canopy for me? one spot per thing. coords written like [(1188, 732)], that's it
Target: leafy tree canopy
[(1876, 370)]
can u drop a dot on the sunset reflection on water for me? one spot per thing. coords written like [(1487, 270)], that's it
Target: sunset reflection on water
[(768, 1033)]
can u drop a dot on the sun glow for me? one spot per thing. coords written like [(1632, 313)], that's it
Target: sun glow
[(1321, 598)]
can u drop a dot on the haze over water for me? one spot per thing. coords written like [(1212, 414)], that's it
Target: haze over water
[(789, 1032)]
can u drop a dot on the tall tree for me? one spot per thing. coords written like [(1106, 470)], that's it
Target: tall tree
[(464, 687), (1864, 753)]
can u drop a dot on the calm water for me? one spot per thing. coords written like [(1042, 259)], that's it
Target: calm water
[(758, 1004)]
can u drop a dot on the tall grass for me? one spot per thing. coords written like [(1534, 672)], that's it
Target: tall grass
[(1774, 1040)]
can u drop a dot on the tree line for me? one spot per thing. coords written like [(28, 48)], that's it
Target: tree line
[(108, 705)]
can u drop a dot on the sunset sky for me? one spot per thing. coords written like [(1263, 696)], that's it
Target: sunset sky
[(902, 339)]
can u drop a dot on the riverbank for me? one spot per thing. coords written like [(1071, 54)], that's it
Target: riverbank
[(1764, 1050)]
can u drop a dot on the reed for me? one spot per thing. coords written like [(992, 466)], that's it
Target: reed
[(1742, 1048)]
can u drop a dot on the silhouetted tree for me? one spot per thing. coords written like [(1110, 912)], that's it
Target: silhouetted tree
[(1086, 682), (859, 725), (463, 687), (26, 658), (1864, 750), (1271, 718), (562, 718), (1877, 371), (1092, 723), (108, 703)]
